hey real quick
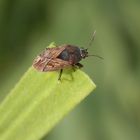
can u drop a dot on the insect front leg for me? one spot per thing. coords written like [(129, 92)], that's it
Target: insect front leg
[(60, 74), (79, 65)]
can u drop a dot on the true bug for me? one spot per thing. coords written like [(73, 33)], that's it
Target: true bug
[(61, 57)]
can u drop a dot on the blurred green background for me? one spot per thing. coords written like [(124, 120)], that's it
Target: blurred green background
[(113, 110)]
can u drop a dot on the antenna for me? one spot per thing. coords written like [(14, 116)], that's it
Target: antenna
[(92, 39), (96, 56), (90, 43)]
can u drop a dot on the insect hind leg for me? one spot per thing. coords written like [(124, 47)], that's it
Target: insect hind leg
[(60, 74)]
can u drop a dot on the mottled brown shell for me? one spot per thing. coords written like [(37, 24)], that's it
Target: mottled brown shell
[(48, 61)]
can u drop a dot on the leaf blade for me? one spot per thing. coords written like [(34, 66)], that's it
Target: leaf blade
[(38, 102)]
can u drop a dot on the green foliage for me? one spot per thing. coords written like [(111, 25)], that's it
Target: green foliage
[(26, 26), (39, 101)]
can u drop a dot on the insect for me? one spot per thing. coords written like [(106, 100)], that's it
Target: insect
[(61, 57)]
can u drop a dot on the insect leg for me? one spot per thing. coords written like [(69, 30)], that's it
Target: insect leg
[(60, 74), (79, 65), (76, 66)]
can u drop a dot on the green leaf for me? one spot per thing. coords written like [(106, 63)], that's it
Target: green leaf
[(39, 101)]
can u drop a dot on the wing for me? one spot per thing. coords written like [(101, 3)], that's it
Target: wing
[(42, 60), (52, 52), (56, 64)]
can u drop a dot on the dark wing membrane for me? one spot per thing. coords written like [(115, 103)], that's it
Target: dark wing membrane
[(56, 64), (42, 60)]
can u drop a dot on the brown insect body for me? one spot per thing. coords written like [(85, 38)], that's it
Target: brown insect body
[(61, 57), (58, 58)]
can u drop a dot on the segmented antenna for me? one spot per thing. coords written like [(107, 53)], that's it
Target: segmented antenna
[(91, 39), (90, 43), (96, 56)]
